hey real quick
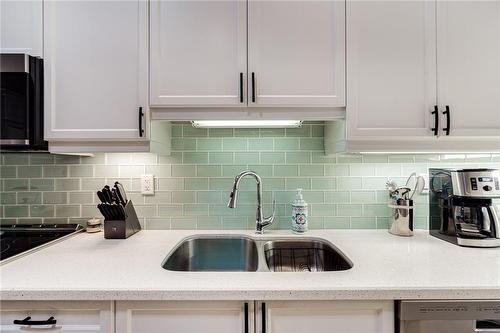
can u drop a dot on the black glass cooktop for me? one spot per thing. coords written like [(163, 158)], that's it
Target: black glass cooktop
[(16, 239)]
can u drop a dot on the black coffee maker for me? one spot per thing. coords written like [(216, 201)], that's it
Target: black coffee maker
[(462, 207)]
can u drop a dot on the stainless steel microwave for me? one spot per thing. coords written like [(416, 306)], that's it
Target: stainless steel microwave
[(21, 103)]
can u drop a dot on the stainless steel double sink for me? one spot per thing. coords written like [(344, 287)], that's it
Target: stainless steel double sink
[(235, 253)]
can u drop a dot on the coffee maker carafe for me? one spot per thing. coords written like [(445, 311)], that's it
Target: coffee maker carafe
[(463, 207)]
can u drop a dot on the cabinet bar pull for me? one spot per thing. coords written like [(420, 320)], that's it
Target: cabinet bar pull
[(435, 129), (447, 113), (27, 322), (141, 115), (263, 308), (253, 87), (241, 87), (246, 317)]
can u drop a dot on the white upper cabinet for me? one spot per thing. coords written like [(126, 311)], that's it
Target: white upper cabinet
[(296, 53), (391, 73), (21, 29), (407, 59), (469, 67), (95, 70), (198, 53)]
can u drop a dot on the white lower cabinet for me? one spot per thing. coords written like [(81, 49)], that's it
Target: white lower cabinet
[(198, 316), (69, 316), (184, 317), (325, 317), (270, 317)]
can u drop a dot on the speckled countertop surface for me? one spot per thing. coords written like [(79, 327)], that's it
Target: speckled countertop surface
[(88, 267)]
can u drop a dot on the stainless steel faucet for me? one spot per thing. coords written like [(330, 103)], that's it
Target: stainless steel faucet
[(261, 221)]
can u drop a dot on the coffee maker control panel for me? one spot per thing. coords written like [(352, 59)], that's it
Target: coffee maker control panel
[(476, 183)]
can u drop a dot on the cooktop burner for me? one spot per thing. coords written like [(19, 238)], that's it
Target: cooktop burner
[(16, 239)]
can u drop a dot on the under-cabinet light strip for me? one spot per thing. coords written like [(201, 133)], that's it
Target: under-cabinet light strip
[(246, 123)]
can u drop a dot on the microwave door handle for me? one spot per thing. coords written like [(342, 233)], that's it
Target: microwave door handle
[(496, 222)]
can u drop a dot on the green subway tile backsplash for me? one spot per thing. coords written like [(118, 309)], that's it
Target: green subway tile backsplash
[(192, 185)]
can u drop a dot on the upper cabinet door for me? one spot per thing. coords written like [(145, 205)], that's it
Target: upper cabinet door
[(198, 53), (21, 29), (296, 53), (391, 73), (95, 69), (469, 66)]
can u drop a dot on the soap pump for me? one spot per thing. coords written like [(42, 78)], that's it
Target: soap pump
[(299, 213)]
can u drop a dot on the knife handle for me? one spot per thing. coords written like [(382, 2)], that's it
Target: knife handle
[(120, 192), (101, 196), (114, 197), (107, 194)]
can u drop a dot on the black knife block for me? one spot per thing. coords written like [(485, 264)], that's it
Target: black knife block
[(121, 229)]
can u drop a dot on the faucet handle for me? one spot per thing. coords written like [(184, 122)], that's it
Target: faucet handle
[(270, 219), (232, 198)]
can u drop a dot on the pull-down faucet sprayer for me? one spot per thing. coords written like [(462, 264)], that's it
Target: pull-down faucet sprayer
[(261, 221)]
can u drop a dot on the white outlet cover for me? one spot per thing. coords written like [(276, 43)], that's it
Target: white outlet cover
[(147, 184)]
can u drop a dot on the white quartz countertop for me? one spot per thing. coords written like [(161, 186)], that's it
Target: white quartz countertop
[(89, 267)]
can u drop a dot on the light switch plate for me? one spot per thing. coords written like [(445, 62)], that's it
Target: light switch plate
[(148, 184)]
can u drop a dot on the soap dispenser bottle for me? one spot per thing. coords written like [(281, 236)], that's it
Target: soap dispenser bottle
[(300, 214)]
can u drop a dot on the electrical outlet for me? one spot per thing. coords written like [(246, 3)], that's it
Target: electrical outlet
[(148, 184)]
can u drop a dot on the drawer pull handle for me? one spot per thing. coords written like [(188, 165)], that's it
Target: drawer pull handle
[(246, 317), (27, 322), (263, 309)]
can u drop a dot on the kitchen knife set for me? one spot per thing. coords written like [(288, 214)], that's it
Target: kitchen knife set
[(113, 202)]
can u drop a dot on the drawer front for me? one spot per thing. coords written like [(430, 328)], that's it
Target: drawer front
[(70, 316), (184, 317)]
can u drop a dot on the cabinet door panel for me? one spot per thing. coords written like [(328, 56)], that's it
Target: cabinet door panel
[(329, 317), (21, 27), (70, 316), (198, 50), (469, 66), (297, 52), (391, 70), (95, 68), (176, 317)]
